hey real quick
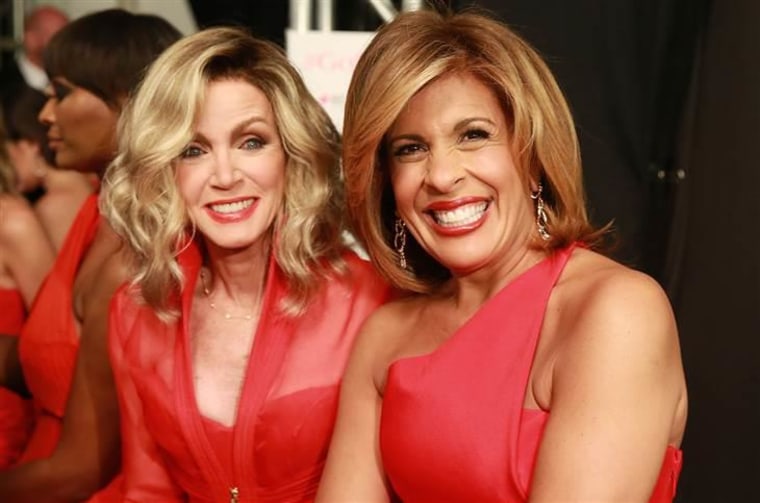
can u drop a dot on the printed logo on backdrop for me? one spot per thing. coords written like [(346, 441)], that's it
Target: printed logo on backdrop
[(326, 60)]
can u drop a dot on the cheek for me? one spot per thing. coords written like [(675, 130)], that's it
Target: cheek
[(405, 182), (189, 183), (269, 175)]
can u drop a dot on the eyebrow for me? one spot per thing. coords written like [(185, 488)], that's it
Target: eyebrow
[(462, 124), (238, 128)]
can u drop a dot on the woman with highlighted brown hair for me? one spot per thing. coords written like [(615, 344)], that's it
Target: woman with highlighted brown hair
[(229, 344), (522, 365)]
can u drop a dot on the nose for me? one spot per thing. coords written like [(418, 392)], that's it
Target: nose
[(444, 171), (47, 113), (225, 174)]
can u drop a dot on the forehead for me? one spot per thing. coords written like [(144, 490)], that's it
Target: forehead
[(228, 99), (448, 100)]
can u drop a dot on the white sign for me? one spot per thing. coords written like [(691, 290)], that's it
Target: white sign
[(326, 60)]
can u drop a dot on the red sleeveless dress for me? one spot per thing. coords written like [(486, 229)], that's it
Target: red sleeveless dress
[(276, 450), (15, 412), (50, 340), (453, 425)]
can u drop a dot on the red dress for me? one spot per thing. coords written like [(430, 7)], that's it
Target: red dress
[(483, 445), (50, 340), (15, 412), (276, 449)]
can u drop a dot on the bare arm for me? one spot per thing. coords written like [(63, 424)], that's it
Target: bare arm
[(29, 253), (618, 397), (354, 473), (87, 454)]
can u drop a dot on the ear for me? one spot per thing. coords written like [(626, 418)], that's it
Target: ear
[(533, 184)]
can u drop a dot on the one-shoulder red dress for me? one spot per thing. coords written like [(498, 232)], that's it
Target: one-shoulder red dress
[(50, 340), (453, 424), (15, 412), (275, 451)]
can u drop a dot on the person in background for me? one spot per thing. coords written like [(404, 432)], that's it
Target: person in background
[(522, 365), (229, 344), (26, 69), (73, 452), (56, 194), (25, 258)]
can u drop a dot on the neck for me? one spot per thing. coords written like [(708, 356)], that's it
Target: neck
[(471, 290), (238, 276), (59, 178)]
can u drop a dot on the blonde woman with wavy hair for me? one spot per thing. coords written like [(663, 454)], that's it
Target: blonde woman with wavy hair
[(521, 365), (229, 344)]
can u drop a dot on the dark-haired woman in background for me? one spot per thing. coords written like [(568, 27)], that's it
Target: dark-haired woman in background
[(61, 358), (56, 194)]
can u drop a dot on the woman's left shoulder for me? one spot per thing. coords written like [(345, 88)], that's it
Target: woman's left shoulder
[(597, 291), (600, 278)]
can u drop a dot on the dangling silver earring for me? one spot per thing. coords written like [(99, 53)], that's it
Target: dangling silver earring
[(399, 242), (541, 218)]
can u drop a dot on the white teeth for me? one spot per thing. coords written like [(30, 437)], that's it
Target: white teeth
[(232, 207), (463, 215)]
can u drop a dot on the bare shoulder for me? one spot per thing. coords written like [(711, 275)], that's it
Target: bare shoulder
[(598, 291), (389, 323), (614, 344), (383, 335), (16, 217), (609, 319), (601, 312)]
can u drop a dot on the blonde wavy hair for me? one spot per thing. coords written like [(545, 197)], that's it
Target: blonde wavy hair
[(140, 197), (409, 53)]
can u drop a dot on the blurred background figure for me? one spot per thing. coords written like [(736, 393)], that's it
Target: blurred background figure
[(25, 258), (56, 194), (73, 451), (26, 68)]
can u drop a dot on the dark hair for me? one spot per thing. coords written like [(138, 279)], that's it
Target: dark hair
[(20, 111), (107, 52)]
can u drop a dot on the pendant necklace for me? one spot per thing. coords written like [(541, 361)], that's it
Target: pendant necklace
[(207, 293)]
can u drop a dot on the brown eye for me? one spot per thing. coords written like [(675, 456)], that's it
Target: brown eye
[(476, 134)]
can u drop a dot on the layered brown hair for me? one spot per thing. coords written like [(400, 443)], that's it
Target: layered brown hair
[(410, 52)]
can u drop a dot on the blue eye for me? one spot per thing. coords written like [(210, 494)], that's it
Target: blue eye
[(191, 151), (253, 144)]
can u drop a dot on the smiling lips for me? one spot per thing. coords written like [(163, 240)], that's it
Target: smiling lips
[(231, 211), (453, 218)]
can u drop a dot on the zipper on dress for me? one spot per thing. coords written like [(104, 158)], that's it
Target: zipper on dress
[(234, 493)]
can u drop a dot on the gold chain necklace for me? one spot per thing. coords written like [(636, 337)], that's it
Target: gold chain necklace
[(227, 316)]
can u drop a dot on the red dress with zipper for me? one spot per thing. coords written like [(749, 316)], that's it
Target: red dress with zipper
[(276, 449)]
